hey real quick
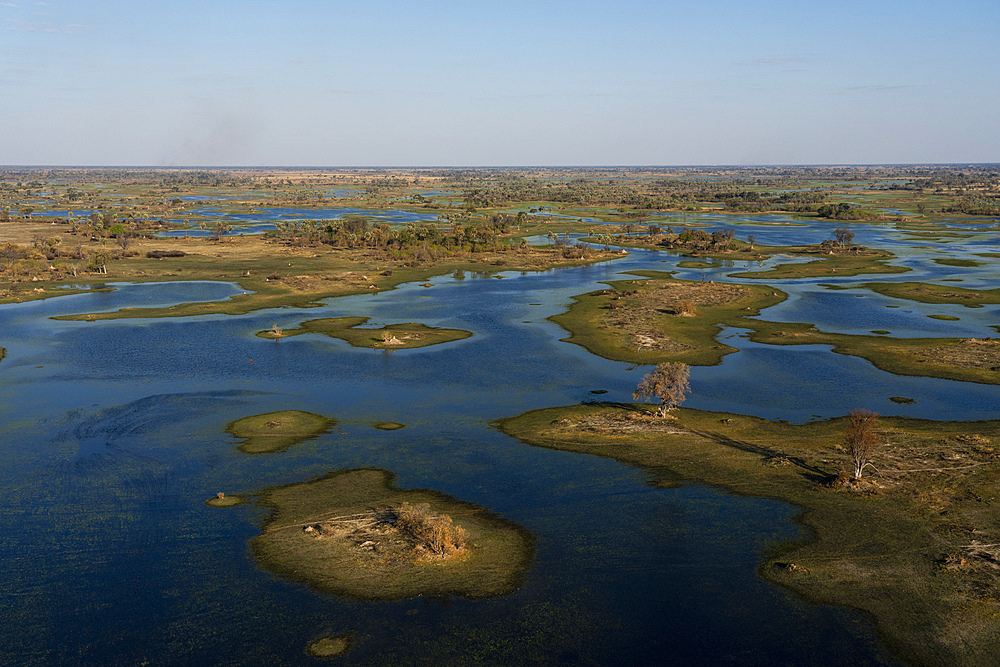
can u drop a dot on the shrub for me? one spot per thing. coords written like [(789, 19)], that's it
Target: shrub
[(435, 534), (159, 254), (685, 308)]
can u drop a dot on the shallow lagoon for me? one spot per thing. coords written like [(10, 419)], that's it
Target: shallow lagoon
[(113, 439)]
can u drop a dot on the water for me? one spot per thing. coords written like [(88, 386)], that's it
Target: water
[(114, 437)]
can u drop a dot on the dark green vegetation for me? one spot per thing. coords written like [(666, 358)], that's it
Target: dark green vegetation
[(275, 431), (391, 336), (915, 545), (328, 534)]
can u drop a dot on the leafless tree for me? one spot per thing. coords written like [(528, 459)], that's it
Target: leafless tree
[(861, 437), (668, 383)]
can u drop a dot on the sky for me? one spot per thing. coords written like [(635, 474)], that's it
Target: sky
[(502, 83)]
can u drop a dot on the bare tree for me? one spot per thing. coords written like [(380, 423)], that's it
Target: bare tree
[(861, 437), (668, 383)]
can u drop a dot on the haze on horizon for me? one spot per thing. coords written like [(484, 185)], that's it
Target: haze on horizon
[(444, 83)]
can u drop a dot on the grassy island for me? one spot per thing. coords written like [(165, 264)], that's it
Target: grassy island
[(274, 431), (915, 546), (392, 336), (662, 319), (963, 359), (352, 533), (329, 647), (842, 264), (665, 319), (223, 500), (929, 293)]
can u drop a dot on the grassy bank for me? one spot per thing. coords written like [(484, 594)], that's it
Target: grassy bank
[(320, 534), (902, 547)]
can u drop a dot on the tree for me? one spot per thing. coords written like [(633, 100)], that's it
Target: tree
[(861, 437), (843, 236), (220, 229), (668, 383)]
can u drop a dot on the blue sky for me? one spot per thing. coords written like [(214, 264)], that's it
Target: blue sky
[(392, 83)]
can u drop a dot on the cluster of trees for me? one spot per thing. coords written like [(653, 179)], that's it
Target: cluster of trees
[(976, 205), (421, 242), (48, 257), (698, 240), (845, 211)]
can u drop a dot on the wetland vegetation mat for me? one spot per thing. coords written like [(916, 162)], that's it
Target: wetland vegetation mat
[(274, 431), (392, 336), (914, 543), (340, 534)]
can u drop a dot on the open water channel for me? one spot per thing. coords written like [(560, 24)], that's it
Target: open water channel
[(113, 437)]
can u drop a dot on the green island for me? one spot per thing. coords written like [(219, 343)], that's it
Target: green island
[(957, 261), (351, 533), (330, 646), (388, 426), (844, 265), (916, 548), (392, 336), (662, 318), (964, 359), (929, 293), (275, 431), (224, 500)]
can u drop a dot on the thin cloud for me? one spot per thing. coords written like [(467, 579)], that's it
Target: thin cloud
[(880, 88), (775, 61)]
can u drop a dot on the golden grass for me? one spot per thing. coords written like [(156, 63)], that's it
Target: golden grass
[(322, 534)]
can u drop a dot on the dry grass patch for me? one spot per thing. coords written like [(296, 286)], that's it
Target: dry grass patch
[(355, 534)]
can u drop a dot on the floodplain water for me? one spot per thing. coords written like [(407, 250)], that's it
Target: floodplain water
[(113, 438)]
